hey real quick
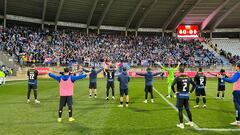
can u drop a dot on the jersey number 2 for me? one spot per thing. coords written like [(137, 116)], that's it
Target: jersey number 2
[(184, 86)]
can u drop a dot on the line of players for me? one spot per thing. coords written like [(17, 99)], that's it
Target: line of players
[(66, 82)]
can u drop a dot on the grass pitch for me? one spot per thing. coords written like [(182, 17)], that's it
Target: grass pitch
[(98, 116)]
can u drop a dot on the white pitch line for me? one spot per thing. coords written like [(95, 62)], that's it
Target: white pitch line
[(7, 84), (22, 81), (174, 107), (195, 126)]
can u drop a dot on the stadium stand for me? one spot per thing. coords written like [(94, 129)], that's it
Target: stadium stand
[(228, 45), (31, 45), (228, 48)]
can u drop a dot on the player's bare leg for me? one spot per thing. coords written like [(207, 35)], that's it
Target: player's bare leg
[(121, 101), (127, 100), (95, 93), (90, 93)]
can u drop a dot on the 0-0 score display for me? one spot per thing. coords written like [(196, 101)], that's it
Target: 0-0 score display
[(187, 31)]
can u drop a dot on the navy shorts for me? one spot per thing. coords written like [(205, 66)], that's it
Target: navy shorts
[(181, 102), (110, 85), (221, 88), (66, 100), (92, 85), (236, 99), (123, 92), (200, 92), (148, 88), (32, 86)]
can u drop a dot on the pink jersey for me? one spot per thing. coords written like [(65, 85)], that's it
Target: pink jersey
[(66, 87), (236, 85)]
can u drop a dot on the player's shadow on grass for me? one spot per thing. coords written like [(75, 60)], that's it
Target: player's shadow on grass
[(220, 110), (77, 127), (144, 110)]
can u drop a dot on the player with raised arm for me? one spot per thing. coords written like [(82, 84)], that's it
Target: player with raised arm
[(148, 83), (221, 83), (123, 79), (110, 74), (93, 81), (32, 83), (200, 80), (171, 75), (66, 82), (235, 79), (183, 85)]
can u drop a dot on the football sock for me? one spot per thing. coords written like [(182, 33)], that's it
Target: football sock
[(113, 92), (180, 114), (28, 94), (70, 111), (35, 94), (169, 89), (204, 100), (60, 111), (197, 100), (107, 92), (146, 95), (151, 94), (189, 114), (218, 93)]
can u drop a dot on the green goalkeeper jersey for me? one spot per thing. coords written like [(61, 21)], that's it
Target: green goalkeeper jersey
[(171, 72), (2, 74)]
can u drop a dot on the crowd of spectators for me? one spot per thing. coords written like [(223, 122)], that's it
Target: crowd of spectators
[(33, 45), (232, 58)]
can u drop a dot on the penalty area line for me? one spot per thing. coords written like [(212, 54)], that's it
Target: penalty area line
[(195, 126)]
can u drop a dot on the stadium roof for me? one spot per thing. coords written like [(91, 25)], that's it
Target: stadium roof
[(155, 15)]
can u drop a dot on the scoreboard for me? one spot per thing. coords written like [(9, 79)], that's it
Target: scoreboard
[(187, 31)]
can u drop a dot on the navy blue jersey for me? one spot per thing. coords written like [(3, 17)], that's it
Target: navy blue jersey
[(123, 78), (183, 86), (221, 82), (200, 80), (110, 74), (148, 77), (93, 74), (32, 76)]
